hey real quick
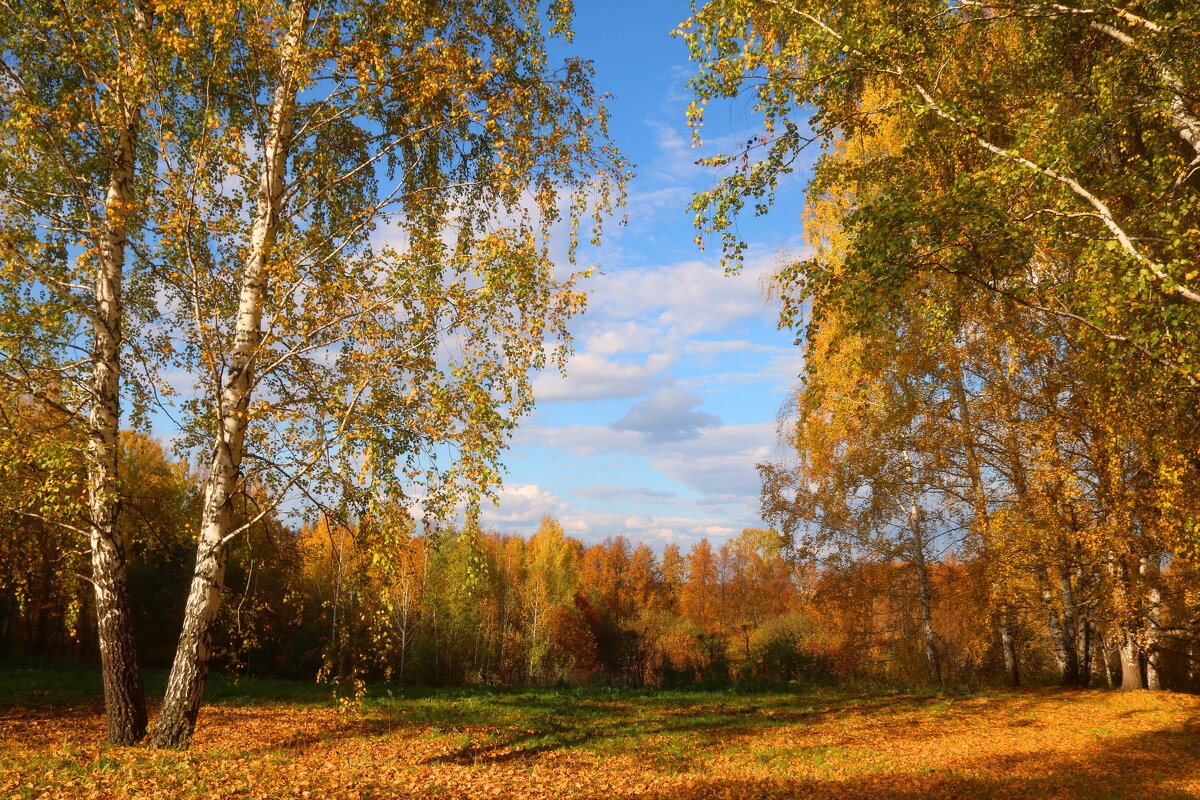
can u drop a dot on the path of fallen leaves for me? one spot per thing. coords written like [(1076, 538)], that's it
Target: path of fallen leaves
[(1043, 744)]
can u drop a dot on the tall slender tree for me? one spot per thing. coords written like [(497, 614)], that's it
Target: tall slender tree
[(360, 261), (78, 80)]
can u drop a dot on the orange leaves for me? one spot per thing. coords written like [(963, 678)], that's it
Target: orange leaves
[(824, 745)]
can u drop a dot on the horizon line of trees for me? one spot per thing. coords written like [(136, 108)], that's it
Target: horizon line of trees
[(379, 600)]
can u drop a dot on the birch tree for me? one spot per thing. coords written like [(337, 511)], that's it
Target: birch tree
[(865, 477), (78, 82), (1087, 222), (948, 189), (550, 583), (359, 260)]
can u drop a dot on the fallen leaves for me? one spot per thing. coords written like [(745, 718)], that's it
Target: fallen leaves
[(1035, 743)]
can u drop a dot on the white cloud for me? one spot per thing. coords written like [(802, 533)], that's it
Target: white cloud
[(592, 377), (653, 314), (581, 441), (781, 372), (622, 337), (667, 416), (688, 297), (636, 494), (654, 529), (719, 463), (522, 505)]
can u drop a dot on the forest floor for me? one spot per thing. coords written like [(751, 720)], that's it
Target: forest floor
[(274, 739)]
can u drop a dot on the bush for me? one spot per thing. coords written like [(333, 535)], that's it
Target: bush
[(779, 652)]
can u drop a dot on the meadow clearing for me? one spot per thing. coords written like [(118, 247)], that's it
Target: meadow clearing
[(267, 739)]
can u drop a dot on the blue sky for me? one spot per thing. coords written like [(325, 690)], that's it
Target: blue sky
[(679, 371), (671, 397)]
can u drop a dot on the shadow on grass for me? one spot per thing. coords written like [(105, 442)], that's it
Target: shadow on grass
[(676, 734), (1137, 767), (516, 731), (682, 731), (678, 730)]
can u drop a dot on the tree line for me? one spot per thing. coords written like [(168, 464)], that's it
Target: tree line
[(381, 600)]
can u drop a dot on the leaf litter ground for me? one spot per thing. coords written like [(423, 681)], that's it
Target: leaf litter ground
[(627, 744)]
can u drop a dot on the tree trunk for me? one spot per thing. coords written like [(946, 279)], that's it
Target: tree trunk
[(1149, 569), (1127, 629), (1008, 645), (1131, 663), (1012, 674), (920, 566), (185, 687), (923, 595), (1064, 652), (1071, 632), (931, 653), (1153, 676), (1085, 649), (124, 696), (1193, 662), (1088, 581), (1104, 651)]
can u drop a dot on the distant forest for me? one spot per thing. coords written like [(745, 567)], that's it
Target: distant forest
[(465, 606)]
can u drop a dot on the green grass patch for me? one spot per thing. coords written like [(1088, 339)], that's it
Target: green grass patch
[(59, 684)]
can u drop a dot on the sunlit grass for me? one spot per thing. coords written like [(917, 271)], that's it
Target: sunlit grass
[(277, 739)]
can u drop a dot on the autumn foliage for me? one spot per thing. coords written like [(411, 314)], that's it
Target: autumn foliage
[(607, 744)]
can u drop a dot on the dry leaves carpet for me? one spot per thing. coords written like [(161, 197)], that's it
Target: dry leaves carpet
[(576, 744)]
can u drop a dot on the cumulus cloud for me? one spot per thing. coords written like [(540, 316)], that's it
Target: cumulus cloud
[(667, 416), (669, 345), (688, 297), (522, 505), (627, 336), (593, 377), (657, 530), (719, 464)]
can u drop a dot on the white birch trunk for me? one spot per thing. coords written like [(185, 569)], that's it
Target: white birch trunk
[(1071, 632), (185, 688), (1104, 652), (1131, 663), (1150, 573), (1127, 640), (124, 697), (1063, 655), (1008, 646), (927, 634), (917, 552)]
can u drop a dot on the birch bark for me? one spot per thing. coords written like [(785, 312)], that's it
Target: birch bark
[(979, 497), (927, 634), (921, 567), (1127, 643), (124, 696), (185, 687)]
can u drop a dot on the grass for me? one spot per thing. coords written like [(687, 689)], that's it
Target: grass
[(280, 739), (37, 684)]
